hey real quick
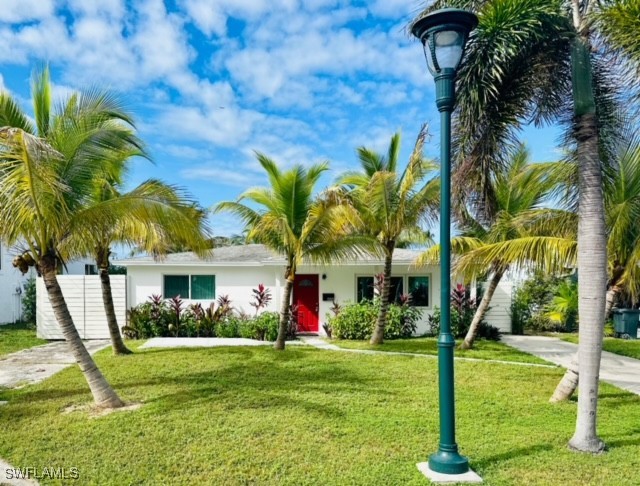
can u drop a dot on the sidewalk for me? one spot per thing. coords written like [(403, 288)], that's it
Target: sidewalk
[(33, 365), (620, 371)]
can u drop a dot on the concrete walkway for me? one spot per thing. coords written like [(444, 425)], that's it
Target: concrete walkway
[(620, 371), (322, 344), (33, 365), (182, 342)]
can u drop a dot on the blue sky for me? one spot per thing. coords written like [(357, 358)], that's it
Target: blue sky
[(210, 81)]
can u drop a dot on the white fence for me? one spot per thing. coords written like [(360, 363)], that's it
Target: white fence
[(83, 295), (499, 314)]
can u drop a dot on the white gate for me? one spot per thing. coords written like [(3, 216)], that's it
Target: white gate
[(83, 295)]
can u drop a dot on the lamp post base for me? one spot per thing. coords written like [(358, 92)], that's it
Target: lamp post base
[(446, 462), (441, 478)]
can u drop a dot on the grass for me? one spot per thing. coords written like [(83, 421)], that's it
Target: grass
[(482, 349), (624, 347), (14, 337), (307, 416)]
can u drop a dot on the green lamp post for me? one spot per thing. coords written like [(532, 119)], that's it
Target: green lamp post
[(444, 34)]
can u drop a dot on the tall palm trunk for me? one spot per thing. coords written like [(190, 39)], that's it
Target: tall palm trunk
[(592, 251), (285, 310), (568, 383), (482, 309), (378, 332), (103, 395), (612, 297), (117, 344)]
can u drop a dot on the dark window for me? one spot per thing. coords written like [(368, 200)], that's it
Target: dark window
[(419, 290), (90, 269), (203, 287), (365, 288), (396, 290), (176, 285)]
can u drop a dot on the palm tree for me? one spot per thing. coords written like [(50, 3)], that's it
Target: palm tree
[(547, 61), (523, 232), (622, 201), (46, 179), (152, 217), (292, 222), (392, 205)]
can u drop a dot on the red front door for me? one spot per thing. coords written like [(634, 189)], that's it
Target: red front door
[(307, 298)]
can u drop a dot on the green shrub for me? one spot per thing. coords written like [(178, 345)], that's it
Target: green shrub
[(29, 301), (354, 321), (264, 327), (357, 320), (460, 326), (402, 321), (229, 327)]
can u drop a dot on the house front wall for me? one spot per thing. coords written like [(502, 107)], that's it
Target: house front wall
[(11, 287), (238, 281)]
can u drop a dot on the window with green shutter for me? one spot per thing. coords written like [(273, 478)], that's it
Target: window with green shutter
[(203, 287), (176, 285)]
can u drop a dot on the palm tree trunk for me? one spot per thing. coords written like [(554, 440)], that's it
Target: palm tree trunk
[(117, 344), (612, 297), (592, 252), (482, 308), (378, 331), (103, 395), (284, 311), (568, 383)]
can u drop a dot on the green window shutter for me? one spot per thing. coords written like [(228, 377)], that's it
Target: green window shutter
[(175, 285), (203, 287), (419, 290)]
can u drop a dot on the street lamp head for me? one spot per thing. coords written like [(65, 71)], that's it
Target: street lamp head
[(444, 34)]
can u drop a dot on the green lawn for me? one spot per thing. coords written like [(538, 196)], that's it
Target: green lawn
[(625, 347), (482, 349), (308, 416), (14, 337)]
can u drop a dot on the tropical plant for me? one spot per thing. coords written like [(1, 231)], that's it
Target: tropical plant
[(297, 225), (357, 320), (29, 301), (549, 61), (521, 232), (261, 298), (392, 205), (622, 202), (47, 171), (563, 308)]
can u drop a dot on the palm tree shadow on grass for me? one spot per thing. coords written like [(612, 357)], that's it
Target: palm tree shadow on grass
[(256, 384), (511, 454)]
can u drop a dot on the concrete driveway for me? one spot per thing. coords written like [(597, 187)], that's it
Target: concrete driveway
[(620, 371), (39, 363)]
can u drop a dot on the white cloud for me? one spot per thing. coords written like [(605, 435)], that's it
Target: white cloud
[(395, 9), (110, 8), (227, 127), (210, 16), (221, 175), (16, 11)]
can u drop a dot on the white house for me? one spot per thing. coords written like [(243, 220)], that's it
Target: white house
[(11, 287), (236, 270), (12, 283)]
